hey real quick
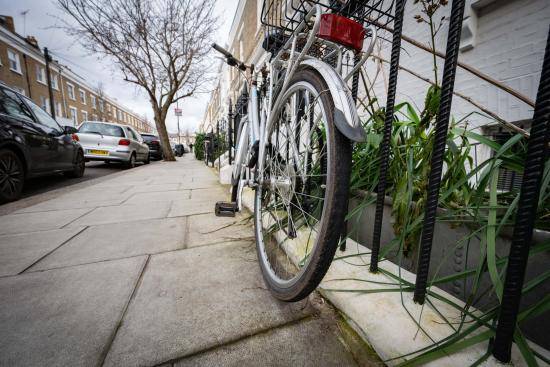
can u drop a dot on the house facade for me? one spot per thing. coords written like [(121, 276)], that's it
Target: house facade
[(23, 68)]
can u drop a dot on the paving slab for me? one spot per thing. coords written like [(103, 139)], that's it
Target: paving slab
[(195, 299), (207, 229), (200, 184), (124, 213), (175, 179), (154, 188), (123, 181), (71, 203), (119, 240), (19, 251), (308, 343), (64, 317), (182, 208), (154, 197), (214, 193), (33, 222)]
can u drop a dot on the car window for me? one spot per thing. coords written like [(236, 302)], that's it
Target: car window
[(12, 105), (149, 138), (103, 129), (42, 116), (138, 135), (131, 134)]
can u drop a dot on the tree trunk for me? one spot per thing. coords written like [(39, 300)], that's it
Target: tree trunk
[(160, 122)]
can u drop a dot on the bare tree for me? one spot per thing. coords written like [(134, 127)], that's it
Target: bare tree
[(100, 107), (159, 45)]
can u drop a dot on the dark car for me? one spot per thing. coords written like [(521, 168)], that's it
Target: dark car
[(32, 144), (153, 142), (179, 150)]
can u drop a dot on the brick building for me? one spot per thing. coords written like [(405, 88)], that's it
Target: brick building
[(23, 68), (244, 42)]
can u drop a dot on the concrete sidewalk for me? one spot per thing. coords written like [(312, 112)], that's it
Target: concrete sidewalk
[(136, 270)]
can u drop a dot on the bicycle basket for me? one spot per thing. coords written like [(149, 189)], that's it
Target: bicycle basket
[(281, 17), (285, 15)]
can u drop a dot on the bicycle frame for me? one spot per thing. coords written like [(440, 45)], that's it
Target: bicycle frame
[(258, 124)]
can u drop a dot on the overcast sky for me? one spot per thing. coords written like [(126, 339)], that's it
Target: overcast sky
[(40, 21)]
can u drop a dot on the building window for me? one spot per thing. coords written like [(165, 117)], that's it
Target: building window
[(45, 103), (40, 74), (84, 116), (82, 96), (15, 64), (92, 98), (70, 91), (119, 115), (73, 116), (101, 105), (58, 112), (55, 84)]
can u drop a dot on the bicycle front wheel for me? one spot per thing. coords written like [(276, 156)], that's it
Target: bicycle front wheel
[(300, 201)]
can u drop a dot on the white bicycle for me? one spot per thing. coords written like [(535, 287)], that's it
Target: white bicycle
[(294, 144)]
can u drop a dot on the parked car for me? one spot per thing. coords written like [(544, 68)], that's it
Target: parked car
[(32, 143), (110, 142), (155, 149), (179, 150)]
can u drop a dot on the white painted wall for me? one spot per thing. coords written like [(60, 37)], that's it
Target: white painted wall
[(510, 38)]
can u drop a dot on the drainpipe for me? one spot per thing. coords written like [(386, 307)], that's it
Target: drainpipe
[(65, 114), (49, 81), (27, 75)]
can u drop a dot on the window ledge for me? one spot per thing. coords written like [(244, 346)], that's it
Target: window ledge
[(16, 71)]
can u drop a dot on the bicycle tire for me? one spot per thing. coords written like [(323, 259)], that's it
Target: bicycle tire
[(338, 168)]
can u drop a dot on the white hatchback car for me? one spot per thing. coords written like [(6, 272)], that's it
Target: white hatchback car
[(110, 142)]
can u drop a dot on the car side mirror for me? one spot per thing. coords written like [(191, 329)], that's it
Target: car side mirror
[(69, 130)]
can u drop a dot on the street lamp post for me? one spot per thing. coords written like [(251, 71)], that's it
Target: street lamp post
[(178, 114)]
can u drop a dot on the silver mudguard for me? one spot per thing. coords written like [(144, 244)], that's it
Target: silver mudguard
[(345, 112)]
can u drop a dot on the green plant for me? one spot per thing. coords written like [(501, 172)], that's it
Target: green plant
[(469, 197), (199, 146)]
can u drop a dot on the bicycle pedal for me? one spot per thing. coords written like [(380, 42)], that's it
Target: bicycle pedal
[(225, 209)]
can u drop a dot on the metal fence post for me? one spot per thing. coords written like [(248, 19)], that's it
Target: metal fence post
[(537, 154), (388, 122), (440, 142), (230, 131), (218, 143)]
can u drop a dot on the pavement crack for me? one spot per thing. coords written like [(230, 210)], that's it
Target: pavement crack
[(77, 218), (48, 253), (240, 338), (113, 335)]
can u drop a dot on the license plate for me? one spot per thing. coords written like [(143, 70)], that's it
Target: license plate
[(98, 152)]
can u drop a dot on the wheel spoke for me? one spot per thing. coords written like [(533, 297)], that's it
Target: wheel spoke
[(293, 194)]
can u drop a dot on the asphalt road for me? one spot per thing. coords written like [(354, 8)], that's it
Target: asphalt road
[(43, 184)]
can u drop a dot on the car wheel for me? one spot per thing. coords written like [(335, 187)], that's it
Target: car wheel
[(147, 160), (132, 161), (12, 176), (79, 167)]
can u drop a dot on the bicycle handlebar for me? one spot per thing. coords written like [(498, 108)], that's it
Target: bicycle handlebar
[(230, 59)]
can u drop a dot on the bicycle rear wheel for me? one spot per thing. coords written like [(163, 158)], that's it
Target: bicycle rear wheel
[(304, 184)]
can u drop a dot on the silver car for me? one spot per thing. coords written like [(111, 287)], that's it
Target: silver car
[(110, 142)]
